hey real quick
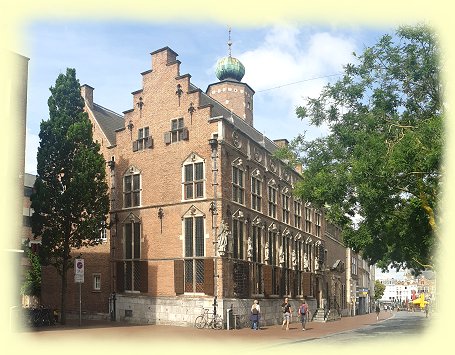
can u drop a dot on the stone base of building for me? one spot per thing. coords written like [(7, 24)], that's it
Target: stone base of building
[(183, 310)]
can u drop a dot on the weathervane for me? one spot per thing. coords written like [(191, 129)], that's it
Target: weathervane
[(229, 42)]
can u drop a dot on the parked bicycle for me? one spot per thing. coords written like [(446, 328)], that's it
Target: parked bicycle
[(40, 316), (208, 320)]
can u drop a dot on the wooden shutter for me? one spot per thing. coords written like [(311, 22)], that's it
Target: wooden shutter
[(185, 134), (208, 277), (267, 280), (143, 276), (167, 137), (120, 280), (179, 277), (134, 146), (149, 142)]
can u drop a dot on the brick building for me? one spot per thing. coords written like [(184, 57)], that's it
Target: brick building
[(200, 208)]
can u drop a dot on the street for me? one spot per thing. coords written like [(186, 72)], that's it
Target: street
[(400, 327), (119, 336)]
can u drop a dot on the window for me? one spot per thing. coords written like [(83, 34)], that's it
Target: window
[(353, 266), (26, 221), (238, 236), (272, 200), (132, 253), (272, 247), (132, 189), (144, 140), (256, 193), (28, 191), (193, 180), (96, 282), (257, 243), (103, 233), (308, 219), (317, 222), (194, 247), (297, 214), (285, 208), (238, 189), (177, 133)]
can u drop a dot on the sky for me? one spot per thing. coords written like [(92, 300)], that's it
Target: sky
[(284, 64)]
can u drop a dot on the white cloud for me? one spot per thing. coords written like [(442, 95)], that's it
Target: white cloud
[(287, 67)]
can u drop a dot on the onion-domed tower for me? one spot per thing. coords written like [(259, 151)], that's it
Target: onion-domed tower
[(230, 91)]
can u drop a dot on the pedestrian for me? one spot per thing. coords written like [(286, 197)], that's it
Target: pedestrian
[(427, 309), (303, 313), (377, 312), (255, 315), (287, 313)]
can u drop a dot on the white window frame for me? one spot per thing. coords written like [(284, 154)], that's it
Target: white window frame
[(193, 160)]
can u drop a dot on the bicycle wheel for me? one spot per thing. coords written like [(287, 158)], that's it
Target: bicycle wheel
[(200, 322), (218, 322)]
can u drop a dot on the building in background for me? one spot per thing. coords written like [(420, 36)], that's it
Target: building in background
[(400, 292)]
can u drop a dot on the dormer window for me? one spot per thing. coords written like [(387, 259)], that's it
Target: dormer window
[(144, 140), (177, 133)]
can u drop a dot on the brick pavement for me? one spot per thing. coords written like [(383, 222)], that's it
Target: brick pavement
[(272, 334)]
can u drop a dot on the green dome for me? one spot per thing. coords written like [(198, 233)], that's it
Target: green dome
[(229, 68)]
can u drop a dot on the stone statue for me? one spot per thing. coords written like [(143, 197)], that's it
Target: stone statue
[(294, 259), (305, 262), (223, 238), (281, 255), (266, 252), (249, 251)]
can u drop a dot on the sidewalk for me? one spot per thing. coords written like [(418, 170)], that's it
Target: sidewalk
[(272, 333)]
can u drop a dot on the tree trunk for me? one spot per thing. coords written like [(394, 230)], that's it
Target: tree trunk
[(63, 295), (66, 257)]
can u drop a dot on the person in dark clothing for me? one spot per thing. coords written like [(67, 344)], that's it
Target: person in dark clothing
[(287, 313)]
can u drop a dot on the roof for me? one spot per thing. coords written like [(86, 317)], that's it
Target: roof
[(109, 121)]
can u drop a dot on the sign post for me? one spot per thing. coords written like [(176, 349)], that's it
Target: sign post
[(79, 278)]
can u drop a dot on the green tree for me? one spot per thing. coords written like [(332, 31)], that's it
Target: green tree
[(32, 282), (379, 289), (70, 201), (378, 171)]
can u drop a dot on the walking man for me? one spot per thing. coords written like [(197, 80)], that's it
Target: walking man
[(303, 313)]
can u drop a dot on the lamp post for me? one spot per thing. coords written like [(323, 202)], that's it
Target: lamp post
[(213, 142)]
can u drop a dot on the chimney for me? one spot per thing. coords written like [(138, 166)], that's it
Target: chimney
[(281, 143), (87, 94)]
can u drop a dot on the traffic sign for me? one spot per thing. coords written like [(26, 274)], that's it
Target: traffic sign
[(79, 270)]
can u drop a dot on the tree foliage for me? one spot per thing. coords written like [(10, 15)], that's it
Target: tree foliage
[(32, 282), (378, 172), (379, 289), (70, 201)]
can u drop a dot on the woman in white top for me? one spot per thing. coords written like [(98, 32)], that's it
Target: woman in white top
[(255, 313)]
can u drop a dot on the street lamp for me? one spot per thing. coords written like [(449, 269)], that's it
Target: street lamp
[(213, 142)]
